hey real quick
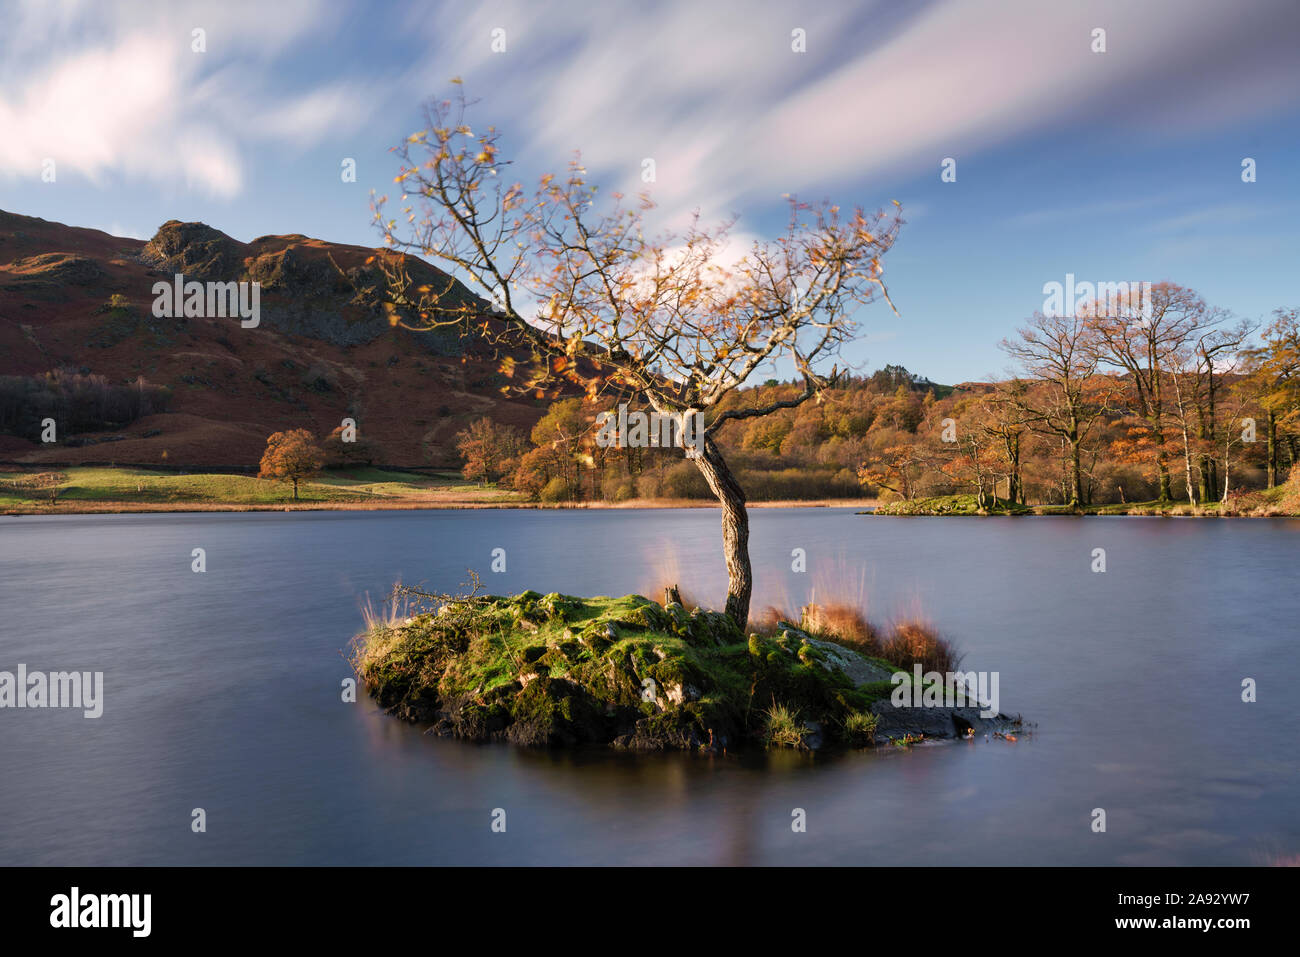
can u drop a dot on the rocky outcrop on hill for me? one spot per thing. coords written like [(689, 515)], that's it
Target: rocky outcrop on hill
[(82, 300), (196, 250), (306, 288)]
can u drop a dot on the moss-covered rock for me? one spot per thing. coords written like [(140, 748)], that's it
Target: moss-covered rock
[(557, 670)]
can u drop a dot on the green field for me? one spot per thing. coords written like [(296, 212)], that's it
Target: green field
[(77, 489)]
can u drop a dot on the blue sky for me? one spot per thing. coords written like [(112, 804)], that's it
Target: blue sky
[(1122, 165)]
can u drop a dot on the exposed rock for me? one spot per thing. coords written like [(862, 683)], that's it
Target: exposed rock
[(196, 250), (939, 722), (859, 669)]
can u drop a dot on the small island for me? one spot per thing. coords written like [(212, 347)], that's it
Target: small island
[(557, 670)]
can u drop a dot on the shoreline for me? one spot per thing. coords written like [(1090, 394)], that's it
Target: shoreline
[(863, 507), (133, 508)]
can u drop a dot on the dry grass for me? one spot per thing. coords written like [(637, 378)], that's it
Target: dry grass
[(911, 643), (903, 644), (388, 614), (844, 623)]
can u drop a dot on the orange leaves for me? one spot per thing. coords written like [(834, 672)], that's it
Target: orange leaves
[(291, 456), (690, 307)]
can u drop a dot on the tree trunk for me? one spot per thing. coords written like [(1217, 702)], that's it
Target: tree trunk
[(1209, 478), (1157, 420), (1076, 469), (295, 490), (1187, 468), (1272, 449), (735, 531), (1166, 489)]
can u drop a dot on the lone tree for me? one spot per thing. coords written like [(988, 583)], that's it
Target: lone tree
[(575, 282), (291, 457)]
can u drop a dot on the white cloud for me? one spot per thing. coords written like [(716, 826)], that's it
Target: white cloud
[(117, 229), (712, 92), (128, 97)]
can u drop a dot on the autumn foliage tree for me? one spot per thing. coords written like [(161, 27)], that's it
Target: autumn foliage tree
[(1274, 383), (291, 457), (490, 451), (342, 447), (578, 284)]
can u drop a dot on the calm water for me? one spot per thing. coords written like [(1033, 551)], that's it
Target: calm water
[(222, 691)]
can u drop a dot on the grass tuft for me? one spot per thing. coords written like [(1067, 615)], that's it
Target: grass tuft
[(860, 728), (784, 728)]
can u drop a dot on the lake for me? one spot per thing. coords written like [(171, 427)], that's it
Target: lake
[(222, 691)]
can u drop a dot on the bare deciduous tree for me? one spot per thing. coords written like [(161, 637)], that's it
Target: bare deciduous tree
[(1143, 343), (599, 305), (1059, 352)]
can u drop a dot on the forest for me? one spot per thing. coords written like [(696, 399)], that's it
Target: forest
[(1175, 402)]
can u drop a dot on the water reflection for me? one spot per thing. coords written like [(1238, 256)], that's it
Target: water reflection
[(222, 691)]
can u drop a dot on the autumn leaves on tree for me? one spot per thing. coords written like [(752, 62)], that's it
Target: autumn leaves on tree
[(291, 457), (1170, 370), (575, 283)]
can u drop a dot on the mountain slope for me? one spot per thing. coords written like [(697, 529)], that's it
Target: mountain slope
[(81, 300)]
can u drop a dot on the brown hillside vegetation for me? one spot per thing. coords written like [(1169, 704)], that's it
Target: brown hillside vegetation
[(78, 302)]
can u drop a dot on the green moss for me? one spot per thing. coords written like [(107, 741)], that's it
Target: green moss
[(555, 669), (954, 505), (878, 690)]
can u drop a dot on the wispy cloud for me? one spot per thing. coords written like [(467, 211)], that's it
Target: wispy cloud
[(118, 90), (731, 114), (712, 92), (1102, 209), (1215, 217)]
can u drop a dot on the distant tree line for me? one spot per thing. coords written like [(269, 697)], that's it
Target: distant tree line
[(75, 401), (1177, 402)]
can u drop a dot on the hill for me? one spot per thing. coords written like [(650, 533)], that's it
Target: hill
[(77, 330)]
